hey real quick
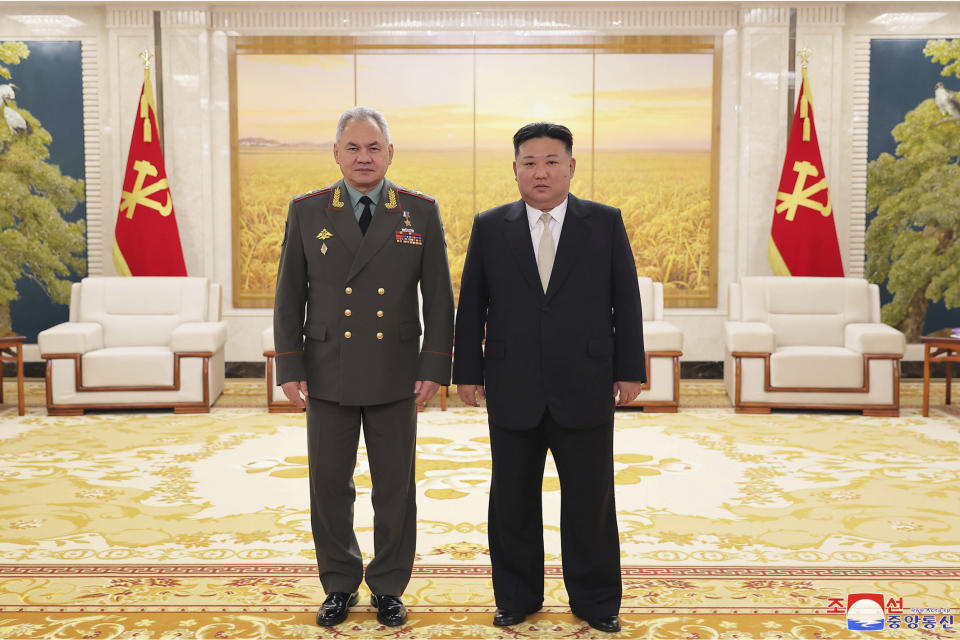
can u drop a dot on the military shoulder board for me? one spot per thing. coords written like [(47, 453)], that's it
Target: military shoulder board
[(417, 194), (310, 194)]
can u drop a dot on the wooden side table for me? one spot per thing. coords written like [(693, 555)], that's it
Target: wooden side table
[(11, 350), (944, 347)]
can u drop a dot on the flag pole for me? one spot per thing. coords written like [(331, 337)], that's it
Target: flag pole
[(158, 48), (806, 98), (791, 67)]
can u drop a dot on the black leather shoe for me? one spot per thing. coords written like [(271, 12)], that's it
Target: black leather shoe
[(390, 610), (504, 618), (335, 608), (610, 624)]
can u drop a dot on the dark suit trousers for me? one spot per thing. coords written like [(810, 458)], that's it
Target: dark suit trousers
[(588, 518), (389, 433)]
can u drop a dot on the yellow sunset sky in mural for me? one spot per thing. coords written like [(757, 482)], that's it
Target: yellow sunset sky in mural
[(622, 101)]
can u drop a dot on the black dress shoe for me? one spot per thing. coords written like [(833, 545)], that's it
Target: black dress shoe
[(609, 624), (390, 610), (335, 608), (504, 618)]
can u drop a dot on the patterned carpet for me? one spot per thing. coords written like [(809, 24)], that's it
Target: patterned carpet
[(153, 525)]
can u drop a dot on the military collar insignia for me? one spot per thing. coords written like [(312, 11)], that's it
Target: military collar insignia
[(392, 202), (336, 202)]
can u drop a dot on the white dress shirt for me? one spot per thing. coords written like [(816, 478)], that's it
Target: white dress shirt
[(557, 215)]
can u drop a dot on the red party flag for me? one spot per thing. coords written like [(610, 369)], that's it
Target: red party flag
[(803, 238), (146, 240)]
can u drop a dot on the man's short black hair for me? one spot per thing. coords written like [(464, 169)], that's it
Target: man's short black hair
[(542, 130)]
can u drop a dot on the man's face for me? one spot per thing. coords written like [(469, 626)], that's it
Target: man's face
[(363, 154), (544, 170)]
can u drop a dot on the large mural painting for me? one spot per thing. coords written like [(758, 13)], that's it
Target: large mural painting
[(643, 112)]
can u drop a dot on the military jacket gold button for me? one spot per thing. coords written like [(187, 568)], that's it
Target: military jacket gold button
[(381, 291), (347, 312), (379, 336), (379, 313), (347, 334), (348, 290)]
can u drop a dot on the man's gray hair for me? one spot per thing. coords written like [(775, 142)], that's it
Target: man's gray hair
[(363, 113)]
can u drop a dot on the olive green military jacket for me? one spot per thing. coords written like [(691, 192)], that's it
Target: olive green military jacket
[(346, 316)]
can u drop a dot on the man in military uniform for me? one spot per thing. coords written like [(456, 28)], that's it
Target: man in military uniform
[(353, 255)]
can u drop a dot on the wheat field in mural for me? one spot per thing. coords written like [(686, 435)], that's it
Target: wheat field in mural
[(668, 218)]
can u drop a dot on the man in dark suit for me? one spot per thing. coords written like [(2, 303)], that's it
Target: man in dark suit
[(549, 330), (353, 255)]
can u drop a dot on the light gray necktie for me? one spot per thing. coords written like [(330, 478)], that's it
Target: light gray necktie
[(546, 253)]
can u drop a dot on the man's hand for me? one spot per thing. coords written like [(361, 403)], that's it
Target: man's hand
[(626, 391), (424, 390), (471, 394), (293, 390)]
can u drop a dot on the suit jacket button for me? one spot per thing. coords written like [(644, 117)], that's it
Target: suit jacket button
[(347, 312), (379, 313), (348, 291), (381, 291), (379, 336), (347, 334)]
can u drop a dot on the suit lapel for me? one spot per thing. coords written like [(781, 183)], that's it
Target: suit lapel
[(340, 212), (516, 231), (381, 229), (574, 235)]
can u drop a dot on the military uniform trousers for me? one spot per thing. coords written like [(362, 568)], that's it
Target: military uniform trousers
[(389, 432)]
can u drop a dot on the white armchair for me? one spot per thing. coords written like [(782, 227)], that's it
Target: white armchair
[(814, 343), (663, 343), (140, 342)]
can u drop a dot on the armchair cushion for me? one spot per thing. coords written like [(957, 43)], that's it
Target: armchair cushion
[(659, 335), (266, 340), (71, 337), (198, 337), (143, 310), (874, 338), (816, 367), (128, 367), (752, 337)]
